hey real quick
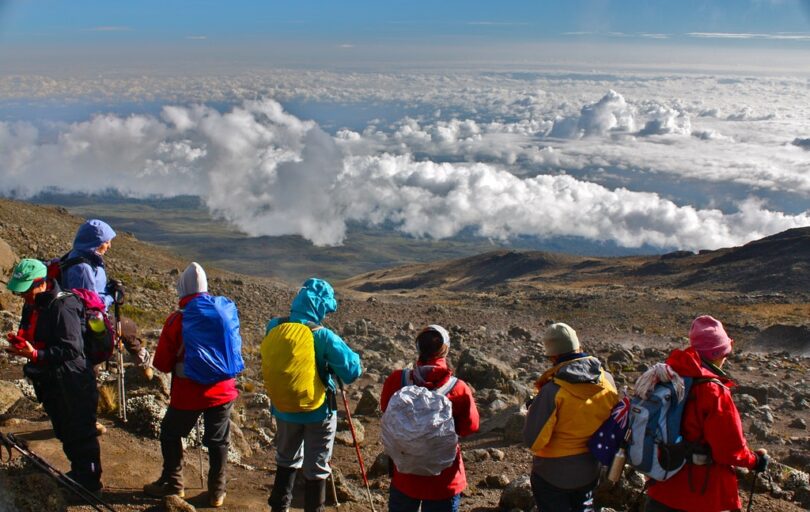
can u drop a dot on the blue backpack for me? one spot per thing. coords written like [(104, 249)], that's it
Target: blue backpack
[(656, 447), (211, 339)]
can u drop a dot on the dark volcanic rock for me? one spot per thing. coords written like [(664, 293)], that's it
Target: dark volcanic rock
[(483, 371)]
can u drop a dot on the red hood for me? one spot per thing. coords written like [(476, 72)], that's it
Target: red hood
[(434, 372), (687, 363)]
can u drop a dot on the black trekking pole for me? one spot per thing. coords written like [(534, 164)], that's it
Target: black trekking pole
[(118, 299), (753, 487), (10, 441), (356, 444)]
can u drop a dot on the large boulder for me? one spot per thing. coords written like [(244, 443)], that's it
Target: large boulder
[(483, 371), (369, 403), (9, 395), (17, 482), (513, 430), (7, 260), (144, 414)]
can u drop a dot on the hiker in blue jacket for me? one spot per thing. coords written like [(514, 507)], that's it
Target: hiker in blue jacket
[(86, 270), (92, 241), (305, 439)]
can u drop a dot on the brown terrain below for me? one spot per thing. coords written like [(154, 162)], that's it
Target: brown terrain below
[(628, 311)]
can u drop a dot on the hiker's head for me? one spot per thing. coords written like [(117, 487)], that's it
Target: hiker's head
[(192, 281), (432, 342), (314, 301), (28, 279), (560, 339), (129, 330), (94, 235), (709, 339)]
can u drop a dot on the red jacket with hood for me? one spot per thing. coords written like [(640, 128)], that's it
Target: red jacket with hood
[(186, 394), (452, 480), (710, 417)]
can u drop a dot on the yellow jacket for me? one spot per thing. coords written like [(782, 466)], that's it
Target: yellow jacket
[(574, 398)]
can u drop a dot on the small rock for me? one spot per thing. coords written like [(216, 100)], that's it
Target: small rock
[(496, 454), (369, 403), (519, 332), (477, 455), (344, 434), (517, 495), (380, 466), (621, 356), (259, 401), (174, 503), (496, 481), (758, 392), (760, 430), (799, 424), (346, 491), (745, 403)]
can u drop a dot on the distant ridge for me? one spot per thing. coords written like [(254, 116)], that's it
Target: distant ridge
[(776, 264)]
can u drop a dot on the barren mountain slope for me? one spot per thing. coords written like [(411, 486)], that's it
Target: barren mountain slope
[(496, 307)]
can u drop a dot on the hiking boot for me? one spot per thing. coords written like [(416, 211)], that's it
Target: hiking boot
[(216, 500), (100, 429), (161, 489)]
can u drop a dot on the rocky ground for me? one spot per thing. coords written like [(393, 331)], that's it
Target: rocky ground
[(495, 329)]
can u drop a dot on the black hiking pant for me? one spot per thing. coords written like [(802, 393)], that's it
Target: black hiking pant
[(70, 400), (177, 424)]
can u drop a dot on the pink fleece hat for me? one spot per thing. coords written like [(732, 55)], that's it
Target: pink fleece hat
[(709, 338)]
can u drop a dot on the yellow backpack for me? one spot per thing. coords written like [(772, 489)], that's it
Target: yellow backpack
[(289, 369)]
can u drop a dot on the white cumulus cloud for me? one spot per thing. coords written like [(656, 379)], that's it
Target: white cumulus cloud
[(271, 173)]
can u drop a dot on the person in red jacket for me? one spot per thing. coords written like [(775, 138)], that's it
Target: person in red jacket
[(188, 400), (441, 493), (709, 418)]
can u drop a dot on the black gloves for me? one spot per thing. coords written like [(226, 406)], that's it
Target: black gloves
[(762, 462), (116, 289)]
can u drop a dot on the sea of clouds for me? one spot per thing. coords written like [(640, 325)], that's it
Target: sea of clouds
[(684, 161)]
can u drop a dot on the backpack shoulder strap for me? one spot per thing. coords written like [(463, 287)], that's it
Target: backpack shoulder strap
[(407, 378), (314, 327), (706, 380), (447, 387), (65, 263)]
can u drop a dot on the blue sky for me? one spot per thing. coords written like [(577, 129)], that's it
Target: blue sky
[(42, 23)]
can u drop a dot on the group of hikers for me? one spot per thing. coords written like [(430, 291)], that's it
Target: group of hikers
[(305, 365)]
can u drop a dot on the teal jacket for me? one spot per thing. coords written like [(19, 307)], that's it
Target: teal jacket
[(314, 301)]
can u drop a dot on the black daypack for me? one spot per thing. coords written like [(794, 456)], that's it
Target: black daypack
[(98, 334)]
